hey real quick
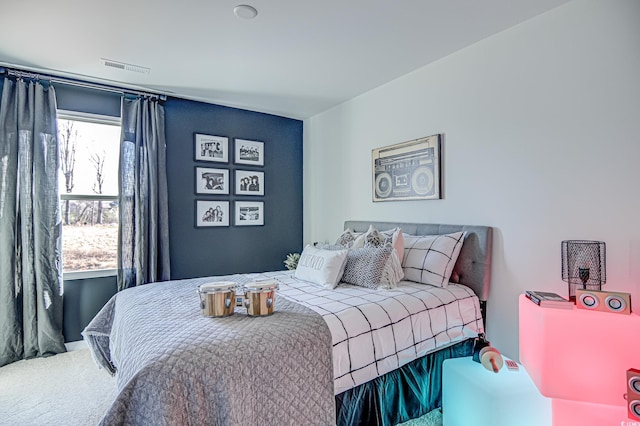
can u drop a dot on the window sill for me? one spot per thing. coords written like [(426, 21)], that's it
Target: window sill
[(83, 275)]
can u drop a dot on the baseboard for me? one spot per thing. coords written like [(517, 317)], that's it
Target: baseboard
[(75, 346)]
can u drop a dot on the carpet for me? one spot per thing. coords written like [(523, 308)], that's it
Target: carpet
[(65, 389), (433, 418)]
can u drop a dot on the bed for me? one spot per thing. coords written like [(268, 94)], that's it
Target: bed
[(348, 355)]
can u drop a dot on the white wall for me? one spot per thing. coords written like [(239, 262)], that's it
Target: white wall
[(542, 142)]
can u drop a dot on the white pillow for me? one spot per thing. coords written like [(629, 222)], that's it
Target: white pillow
[(430, 259), (323, 267), (359, 241)]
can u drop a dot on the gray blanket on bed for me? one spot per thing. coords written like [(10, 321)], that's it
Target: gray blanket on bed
[(176, 367)]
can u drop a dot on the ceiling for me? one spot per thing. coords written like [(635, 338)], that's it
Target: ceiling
[(297, 58)]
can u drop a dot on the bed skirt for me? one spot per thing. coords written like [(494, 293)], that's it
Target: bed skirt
[(400, 395)]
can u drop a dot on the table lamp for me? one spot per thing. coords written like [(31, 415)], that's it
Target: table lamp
[(583, 265)]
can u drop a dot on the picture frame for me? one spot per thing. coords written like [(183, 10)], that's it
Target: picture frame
[(249, 182), (249, 213), (408, 171), (211, 213), (249, 152), (211, 148), (212, 181)]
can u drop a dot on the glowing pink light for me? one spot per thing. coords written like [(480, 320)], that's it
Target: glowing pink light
[(580, 358)]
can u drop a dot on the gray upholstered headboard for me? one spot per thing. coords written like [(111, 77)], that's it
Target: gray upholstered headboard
[(473, 267)]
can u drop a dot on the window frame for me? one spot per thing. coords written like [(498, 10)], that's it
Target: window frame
[(97, 119)]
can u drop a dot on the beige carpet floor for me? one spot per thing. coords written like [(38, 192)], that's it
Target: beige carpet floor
[(68, 389), (65, 389)]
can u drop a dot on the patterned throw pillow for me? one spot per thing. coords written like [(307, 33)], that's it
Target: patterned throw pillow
[(323, 267), (351, 239), (373, 267), (346, 239), (430, 259), (375, 238)]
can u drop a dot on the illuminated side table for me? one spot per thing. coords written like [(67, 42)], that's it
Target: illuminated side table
[(472, 395), (580, 358)]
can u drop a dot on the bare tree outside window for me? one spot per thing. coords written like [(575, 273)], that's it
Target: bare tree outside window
[(97, 159), (69, 138)]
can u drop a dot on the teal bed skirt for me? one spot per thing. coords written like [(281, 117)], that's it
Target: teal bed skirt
[(400, 395)]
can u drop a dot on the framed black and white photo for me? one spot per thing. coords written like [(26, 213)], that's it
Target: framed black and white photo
[(211, 148), (212, 181), (249, 182), (249, 213), (212, 213), (249, 152), (408, 170)]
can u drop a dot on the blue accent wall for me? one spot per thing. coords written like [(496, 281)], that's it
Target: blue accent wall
[(195, 251), (199, 252)]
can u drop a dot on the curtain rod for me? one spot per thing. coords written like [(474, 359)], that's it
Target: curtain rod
[(79, 83)]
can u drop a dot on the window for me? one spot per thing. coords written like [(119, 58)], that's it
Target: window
[(89, 152)]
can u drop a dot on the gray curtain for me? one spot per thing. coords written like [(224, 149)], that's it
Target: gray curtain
[(30, 245), (143, 238)]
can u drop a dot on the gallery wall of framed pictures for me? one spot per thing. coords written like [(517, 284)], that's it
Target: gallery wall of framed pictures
[(233, 184)]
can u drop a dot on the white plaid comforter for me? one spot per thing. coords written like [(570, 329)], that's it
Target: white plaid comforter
[(377, 331)]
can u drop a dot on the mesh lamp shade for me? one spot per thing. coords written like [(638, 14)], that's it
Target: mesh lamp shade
[(583, 265)]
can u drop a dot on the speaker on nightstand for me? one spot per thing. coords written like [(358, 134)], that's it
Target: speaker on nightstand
[(606, 301), (633, 393)]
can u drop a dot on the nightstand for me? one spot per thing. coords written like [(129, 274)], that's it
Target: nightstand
[(580, 358), (472, 395)]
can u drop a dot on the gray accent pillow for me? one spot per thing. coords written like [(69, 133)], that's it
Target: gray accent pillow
[(373, 267)]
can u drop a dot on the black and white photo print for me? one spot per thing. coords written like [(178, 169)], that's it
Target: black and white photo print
[(249, 213), (212, 213), (212, 181), (211, 148), (249, 152), (249, 182)]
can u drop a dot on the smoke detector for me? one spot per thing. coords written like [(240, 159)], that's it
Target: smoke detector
[(245, 11)]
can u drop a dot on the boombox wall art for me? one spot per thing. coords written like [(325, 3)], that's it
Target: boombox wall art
[(408, 170)]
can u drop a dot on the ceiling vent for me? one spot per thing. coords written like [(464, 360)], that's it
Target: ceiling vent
[(125, 67)]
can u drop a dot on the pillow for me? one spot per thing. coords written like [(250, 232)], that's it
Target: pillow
[(373, 267), (398, 243), (327, 246), (322, 267), (351, 239), (430, 259), (375, 238), (346, 238), (359, 241)]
